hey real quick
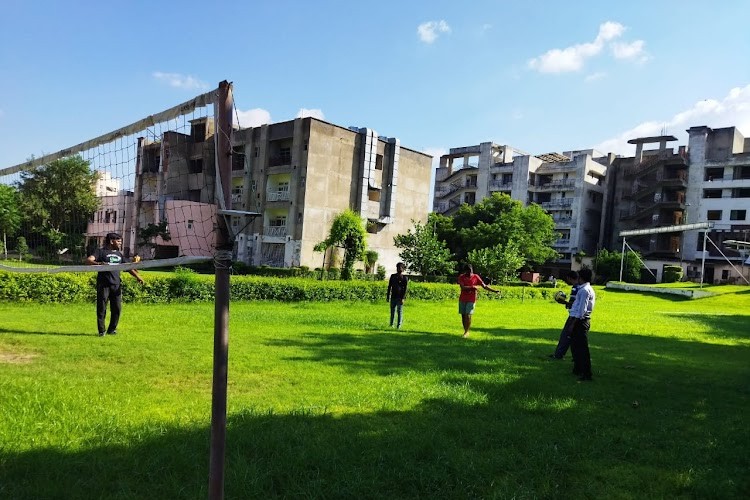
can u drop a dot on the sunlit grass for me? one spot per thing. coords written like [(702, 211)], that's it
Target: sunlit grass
[(326, 401)]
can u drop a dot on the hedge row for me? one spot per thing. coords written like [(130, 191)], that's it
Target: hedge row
[(183, 286)]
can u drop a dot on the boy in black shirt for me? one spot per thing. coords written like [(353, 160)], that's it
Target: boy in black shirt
[(396, 292), (108, 287)]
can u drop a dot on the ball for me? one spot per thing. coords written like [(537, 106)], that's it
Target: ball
[(560, 295)]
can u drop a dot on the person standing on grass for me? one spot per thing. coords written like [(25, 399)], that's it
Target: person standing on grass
[(571, 278), (469, 282), (579, 331), (396, 293), (108, 286)]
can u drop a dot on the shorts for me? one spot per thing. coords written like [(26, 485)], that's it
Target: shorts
[(466, 307)]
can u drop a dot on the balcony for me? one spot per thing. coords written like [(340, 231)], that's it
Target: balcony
[(562, 242), (272, 196), (557, 204), (280, 160), (554, 186), (236, 198), (500, 186), (275, 231)]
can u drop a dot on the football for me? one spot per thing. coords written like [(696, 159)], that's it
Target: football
[(560, 296)]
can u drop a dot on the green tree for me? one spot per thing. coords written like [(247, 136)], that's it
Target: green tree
[(499, 263), (21, 247), (57, 200), (607, 266), (348, 233), (501, 220), (423, 252), (10, 215)]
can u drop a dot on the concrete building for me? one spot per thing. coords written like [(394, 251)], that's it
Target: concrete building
[(719, 192), (113, 215), (706, 181), (569, 186), (298, 175)]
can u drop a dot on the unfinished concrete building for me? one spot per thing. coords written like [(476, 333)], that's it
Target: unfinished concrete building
[(569, 186)]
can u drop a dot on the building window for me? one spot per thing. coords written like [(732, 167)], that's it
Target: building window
[(190, 224), (737, 214), (713, 215), (379, 162), (278, 221), (196, 166), (286, 155), (712, 193), (256, 151), (198, 132), (741, 193)]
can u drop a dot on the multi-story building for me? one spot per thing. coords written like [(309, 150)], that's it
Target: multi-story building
[(295, 175), (114, 213), (298, 175), (569, 186), (706, 181), (649, 191), (719, 192)]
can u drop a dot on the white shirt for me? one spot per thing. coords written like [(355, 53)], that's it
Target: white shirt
[(584, 303)]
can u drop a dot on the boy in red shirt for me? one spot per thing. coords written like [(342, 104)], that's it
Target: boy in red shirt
[(469, 282)]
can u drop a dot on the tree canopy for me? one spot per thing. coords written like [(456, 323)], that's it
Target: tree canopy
[(500, 220), (423, 252), (607, 266), (57, 200), (10, 215), (348, 233)]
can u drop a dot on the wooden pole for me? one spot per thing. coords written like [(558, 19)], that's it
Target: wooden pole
[(223, 262)]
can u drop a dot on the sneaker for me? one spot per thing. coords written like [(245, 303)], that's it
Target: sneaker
[(112, 333), (102, 334), (552, 357)]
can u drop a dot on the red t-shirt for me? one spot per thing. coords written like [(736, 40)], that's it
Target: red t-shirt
[(470, 280)]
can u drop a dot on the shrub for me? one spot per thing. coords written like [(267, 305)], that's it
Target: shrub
[(672, 274), (380, 273)]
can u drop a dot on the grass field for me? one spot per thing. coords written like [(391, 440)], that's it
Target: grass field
[(325, 401)]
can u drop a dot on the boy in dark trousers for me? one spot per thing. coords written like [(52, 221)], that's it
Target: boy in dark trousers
[(396, 293), (571, 278), (108, 288)]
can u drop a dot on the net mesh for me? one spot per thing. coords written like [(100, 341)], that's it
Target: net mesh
[(152, 182)]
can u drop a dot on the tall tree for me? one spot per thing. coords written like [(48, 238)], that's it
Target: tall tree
[(423, 252), (348, 233), (57, 200), (501, 220), (10, 215)]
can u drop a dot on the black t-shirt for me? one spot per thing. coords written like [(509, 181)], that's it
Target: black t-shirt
[(107, 256), (397, 286)]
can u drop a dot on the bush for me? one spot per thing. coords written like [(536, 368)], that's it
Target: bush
[(187, 285), (672, 274), (380, 273)]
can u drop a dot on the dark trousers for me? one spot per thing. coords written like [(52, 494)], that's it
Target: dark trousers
[(579, 347), (397, 308), (113, 295), (564, 342)]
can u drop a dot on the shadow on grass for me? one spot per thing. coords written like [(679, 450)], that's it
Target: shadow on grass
[(18, 331), (557, 444)]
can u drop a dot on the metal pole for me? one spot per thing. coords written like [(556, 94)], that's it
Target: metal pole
[(703, 258), (622, 257), (223, 262)]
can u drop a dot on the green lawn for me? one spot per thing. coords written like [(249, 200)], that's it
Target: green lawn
[(326, 401)]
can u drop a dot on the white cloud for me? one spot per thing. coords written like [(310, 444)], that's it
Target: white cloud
[(732, 110), (632, 50), (180, 81), (428, 32), (253, 117), (574, 57), (594, 76), (314, 113)]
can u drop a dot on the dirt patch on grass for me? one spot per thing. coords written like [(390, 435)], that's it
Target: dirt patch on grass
[(15, 358)]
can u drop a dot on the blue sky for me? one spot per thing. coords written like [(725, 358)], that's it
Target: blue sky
[(541, 76)]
